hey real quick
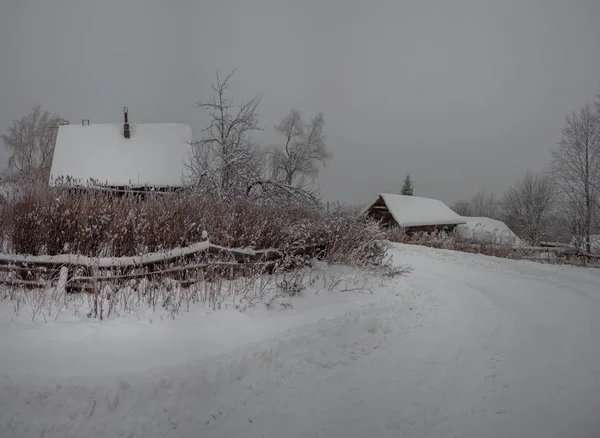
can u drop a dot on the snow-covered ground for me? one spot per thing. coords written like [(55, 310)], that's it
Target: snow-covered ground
[(465, 346)]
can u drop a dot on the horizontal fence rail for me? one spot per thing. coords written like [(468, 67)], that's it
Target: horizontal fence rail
[(200, 261)]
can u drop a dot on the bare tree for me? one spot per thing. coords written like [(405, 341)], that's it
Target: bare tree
[(482, 204), (462, 208), (269, 191), (303, 149), (572, 218), (576, 165), (30, 142), (227, 158), (529, 206)]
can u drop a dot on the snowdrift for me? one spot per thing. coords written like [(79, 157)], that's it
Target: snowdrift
[(484, 229)]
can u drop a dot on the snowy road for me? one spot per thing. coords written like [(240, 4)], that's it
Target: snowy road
[(466, 346)]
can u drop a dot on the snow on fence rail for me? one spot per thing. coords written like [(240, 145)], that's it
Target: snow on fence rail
[(41, 271), (239, 254), (564, 252)]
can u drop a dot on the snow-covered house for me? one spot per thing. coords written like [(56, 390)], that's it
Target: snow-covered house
[(122, 155), (413, 213), (487, 230)]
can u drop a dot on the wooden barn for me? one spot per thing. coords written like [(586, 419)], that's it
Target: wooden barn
[(121, 156), (413, 213)]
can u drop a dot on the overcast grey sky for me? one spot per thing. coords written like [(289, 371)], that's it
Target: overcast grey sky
[(461, 94)]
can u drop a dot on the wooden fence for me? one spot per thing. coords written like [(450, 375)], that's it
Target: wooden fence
[(201, 261), (568, 254)]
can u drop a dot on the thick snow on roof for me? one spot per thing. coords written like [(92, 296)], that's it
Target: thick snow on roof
[(489, 230), (413, 211), (154, 154)]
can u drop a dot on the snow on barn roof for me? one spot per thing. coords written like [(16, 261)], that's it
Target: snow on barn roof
[(414, 211), (489, 230), (154, 155)]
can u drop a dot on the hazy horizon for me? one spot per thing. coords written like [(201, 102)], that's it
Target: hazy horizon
[(462, 96)]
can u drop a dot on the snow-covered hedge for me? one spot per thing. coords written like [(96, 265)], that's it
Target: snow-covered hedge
[(453, 241), (40, 221)]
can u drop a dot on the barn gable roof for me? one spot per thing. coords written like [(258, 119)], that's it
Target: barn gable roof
[(154, 155), (414, 211)]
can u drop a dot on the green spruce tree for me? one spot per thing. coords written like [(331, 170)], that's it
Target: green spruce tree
[(407, 187)]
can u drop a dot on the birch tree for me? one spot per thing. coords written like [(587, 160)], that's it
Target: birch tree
[(576, 164), (303, 150), (529, 206), (30, 142), (462, 208), (482, 204)]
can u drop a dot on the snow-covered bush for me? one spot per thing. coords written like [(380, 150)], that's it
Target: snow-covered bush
[(452, 241), (353, 242), (94, 223)]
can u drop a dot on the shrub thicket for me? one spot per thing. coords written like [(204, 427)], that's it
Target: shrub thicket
[(39, 220)]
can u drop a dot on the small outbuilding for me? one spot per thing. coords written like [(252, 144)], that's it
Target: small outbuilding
[(413, 213), (487, 230)]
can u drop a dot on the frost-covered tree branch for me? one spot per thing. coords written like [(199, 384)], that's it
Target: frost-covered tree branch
[(302, 151), (482, 205), (273, 191), (30, 142), (462, 208), (529, 206), (576, 165), (227, 156)]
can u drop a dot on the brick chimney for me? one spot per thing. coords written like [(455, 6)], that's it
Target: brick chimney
[(126, 131)]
